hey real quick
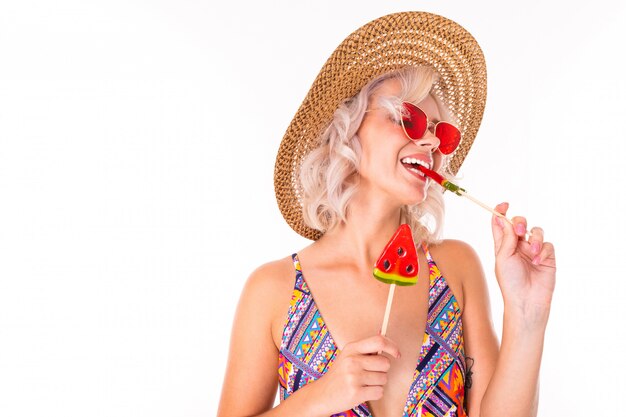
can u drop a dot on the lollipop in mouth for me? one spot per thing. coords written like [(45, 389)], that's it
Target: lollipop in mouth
[(460, 191), (440, 180)]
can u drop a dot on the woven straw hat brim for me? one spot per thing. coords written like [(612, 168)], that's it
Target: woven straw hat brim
[(383, 45)]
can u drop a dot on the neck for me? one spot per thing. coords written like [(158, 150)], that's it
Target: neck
[(370, 224)]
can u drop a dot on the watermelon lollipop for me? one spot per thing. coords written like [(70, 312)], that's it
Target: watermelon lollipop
[(398, 262), (397, 265)]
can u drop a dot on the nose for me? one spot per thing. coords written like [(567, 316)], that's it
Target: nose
[(429, 141)]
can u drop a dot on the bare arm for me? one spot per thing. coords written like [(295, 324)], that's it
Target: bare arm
[(479, 336), (514, 387), (503, 378), (251, 378), (526, 275), (507, 382)]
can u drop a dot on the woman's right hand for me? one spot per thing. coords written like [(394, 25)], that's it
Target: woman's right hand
[(358, 374)]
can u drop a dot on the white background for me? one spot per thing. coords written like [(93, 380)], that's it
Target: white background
[(137, 146)]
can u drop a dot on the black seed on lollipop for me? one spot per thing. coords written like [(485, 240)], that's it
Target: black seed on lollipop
[(400, 251), (409, 268), (386, 264)]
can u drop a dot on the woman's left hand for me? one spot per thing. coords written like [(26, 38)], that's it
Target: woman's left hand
[(525, 268)]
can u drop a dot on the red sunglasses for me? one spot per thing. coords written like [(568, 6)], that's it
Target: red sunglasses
[(415, 125)]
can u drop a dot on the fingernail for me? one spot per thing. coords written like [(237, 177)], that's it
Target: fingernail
[(536, 260), (520, 229), (534, 248), (499, 222)]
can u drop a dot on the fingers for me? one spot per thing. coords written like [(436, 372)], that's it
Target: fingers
[(496, 225), (511, 236), (376, 363), (374, 378), (546, 256), (519, 226), (504, 237), (502, 208), (536, 243), (372, 393), (367, 367), (375, 344)]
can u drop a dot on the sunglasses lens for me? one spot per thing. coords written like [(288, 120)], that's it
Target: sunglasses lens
[(449, 136), (415, 122)]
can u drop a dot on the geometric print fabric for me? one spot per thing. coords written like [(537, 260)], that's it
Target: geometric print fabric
[(308, 350)]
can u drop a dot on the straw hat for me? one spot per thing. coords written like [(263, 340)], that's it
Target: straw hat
[(383, 45)]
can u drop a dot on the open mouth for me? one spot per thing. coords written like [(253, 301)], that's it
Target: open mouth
[(411, 165)]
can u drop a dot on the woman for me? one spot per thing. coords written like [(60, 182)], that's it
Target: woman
[(346, 177)]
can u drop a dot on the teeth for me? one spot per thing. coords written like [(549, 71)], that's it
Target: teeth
[(416, 171), (415, 161)]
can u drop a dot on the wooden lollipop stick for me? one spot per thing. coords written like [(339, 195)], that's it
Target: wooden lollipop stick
[(450, 186), (486, 207), (392, 288)]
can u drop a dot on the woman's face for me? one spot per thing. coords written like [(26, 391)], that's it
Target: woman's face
[(388, 156)]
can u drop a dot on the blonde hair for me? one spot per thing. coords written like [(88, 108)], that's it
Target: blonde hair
[(329, 175)]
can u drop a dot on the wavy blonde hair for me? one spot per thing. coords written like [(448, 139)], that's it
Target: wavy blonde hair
[(329, 174)]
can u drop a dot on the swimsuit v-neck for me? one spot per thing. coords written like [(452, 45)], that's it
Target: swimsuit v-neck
[(308, 350)]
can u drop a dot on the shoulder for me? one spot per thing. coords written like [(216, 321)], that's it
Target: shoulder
[(459, 264), (254, 347), (267, 293), (271, 276), (449, 249), (269, 283)]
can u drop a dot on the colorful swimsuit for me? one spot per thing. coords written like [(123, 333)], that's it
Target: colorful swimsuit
[(307, 351)]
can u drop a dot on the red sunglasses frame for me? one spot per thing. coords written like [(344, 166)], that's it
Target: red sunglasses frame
[(446, 147)]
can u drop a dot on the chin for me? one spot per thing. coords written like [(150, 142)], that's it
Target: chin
[(414, 198), (416, 202)]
